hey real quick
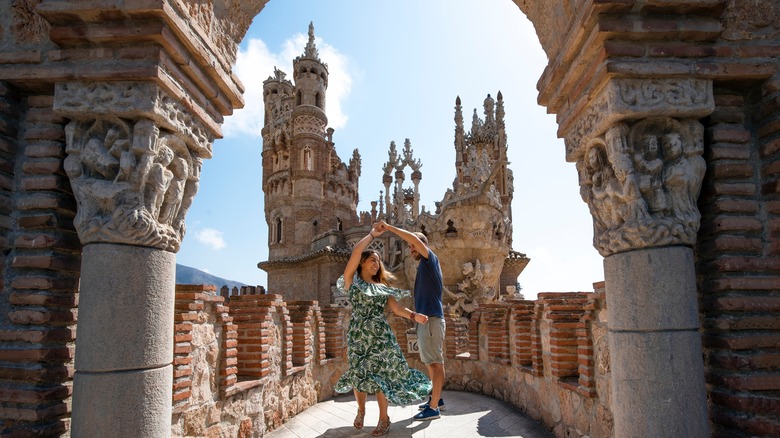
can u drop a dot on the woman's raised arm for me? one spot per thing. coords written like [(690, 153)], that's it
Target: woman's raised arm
[(354, 258)]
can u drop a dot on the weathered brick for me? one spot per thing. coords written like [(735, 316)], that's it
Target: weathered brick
[(43, 200), (770, 148), (735, 189), (772, 168), (748, 207), (38, 317), (33, 394), (46, 220), (747, 303), (36, 413), (756, 403), (737, 223), (39, 241), (727, 151), (744, 360), (41, 298), (46, 182), (35, 372), (42, 166), (44, 132), (51, 260), (40, 282), (45, 149), (64, 334), (747, 382), (730, 170), (36, 354), (771, 187)]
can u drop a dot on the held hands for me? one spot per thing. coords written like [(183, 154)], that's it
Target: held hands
[(378, 228)]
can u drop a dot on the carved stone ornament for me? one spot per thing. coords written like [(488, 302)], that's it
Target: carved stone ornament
[(134, 100), (641, 183), (133, 183), (635, 99)]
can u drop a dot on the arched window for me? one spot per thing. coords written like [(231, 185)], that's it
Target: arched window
[(308, 161), (299, 98), (340, 225), (318, 100), (278, 231)]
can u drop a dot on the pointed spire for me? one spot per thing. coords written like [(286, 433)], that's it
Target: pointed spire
[(459, 131), (489, 104), (311, 50), (500, 110)]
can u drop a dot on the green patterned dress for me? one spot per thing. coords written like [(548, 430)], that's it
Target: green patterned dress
[(375, 360)]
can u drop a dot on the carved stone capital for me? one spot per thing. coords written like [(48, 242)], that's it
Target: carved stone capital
[(641, 182), (636, 99), (133, 100), (133, 161)]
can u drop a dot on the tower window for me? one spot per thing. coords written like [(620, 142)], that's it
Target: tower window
[(299, 98), (278, 230), (339, 224), (308, 162), (318, 100)]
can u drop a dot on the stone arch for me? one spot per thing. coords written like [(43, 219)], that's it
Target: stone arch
[(610, 63)]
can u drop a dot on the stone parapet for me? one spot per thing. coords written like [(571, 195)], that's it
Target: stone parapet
[(270, 359)]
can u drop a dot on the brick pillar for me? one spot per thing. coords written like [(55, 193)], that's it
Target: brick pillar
[(522, 318), (40, 262), (495, 317), (142, 110)]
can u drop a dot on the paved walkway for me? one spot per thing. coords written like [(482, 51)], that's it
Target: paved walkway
[(467, 415)]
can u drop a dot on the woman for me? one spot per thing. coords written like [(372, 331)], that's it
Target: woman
[(376, 363)]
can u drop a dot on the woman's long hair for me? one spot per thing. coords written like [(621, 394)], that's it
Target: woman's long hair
[(382, 275)]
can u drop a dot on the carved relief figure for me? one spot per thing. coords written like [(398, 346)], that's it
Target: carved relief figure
[(676, 173), (174, 194), (649, 167), (158, 181), (641, 196), (133, 188)]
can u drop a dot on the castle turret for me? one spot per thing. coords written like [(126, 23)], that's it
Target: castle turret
[(308, 189)]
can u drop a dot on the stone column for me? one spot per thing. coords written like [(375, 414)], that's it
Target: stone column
[(638, 150), (133, 159)]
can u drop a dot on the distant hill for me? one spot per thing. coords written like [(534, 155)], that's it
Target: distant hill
[(188, 275)]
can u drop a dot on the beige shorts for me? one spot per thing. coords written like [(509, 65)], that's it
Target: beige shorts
[(430, 340)]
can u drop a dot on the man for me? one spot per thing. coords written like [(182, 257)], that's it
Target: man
[(428, 286)]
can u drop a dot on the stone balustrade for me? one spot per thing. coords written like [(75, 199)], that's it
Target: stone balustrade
[(246, 362)]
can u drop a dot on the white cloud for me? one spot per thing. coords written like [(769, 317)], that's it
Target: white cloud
[(256, 64), (211, 237)]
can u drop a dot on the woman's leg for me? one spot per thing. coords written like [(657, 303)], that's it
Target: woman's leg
[(381, 400), (360, 397), (384, 418)]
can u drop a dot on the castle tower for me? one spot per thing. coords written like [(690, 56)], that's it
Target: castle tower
[(480, 155), (308, 190)]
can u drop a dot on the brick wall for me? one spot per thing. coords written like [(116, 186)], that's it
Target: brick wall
[(738, 260), (41, 265)]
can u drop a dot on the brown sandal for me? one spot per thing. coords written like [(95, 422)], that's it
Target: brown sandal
[(358, 423), (381, 428)]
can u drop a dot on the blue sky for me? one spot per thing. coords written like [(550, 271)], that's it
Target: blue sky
[(395, 71)]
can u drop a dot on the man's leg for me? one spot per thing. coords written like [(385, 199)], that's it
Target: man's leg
[(436, 373)]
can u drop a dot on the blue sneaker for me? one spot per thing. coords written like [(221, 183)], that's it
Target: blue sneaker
[(427, 404), (427, 414)]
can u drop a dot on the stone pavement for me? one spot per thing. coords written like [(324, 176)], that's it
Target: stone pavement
[(467, 415)]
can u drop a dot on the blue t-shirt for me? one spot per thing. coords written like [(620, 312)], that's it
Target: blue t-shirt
[(428, 287)]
